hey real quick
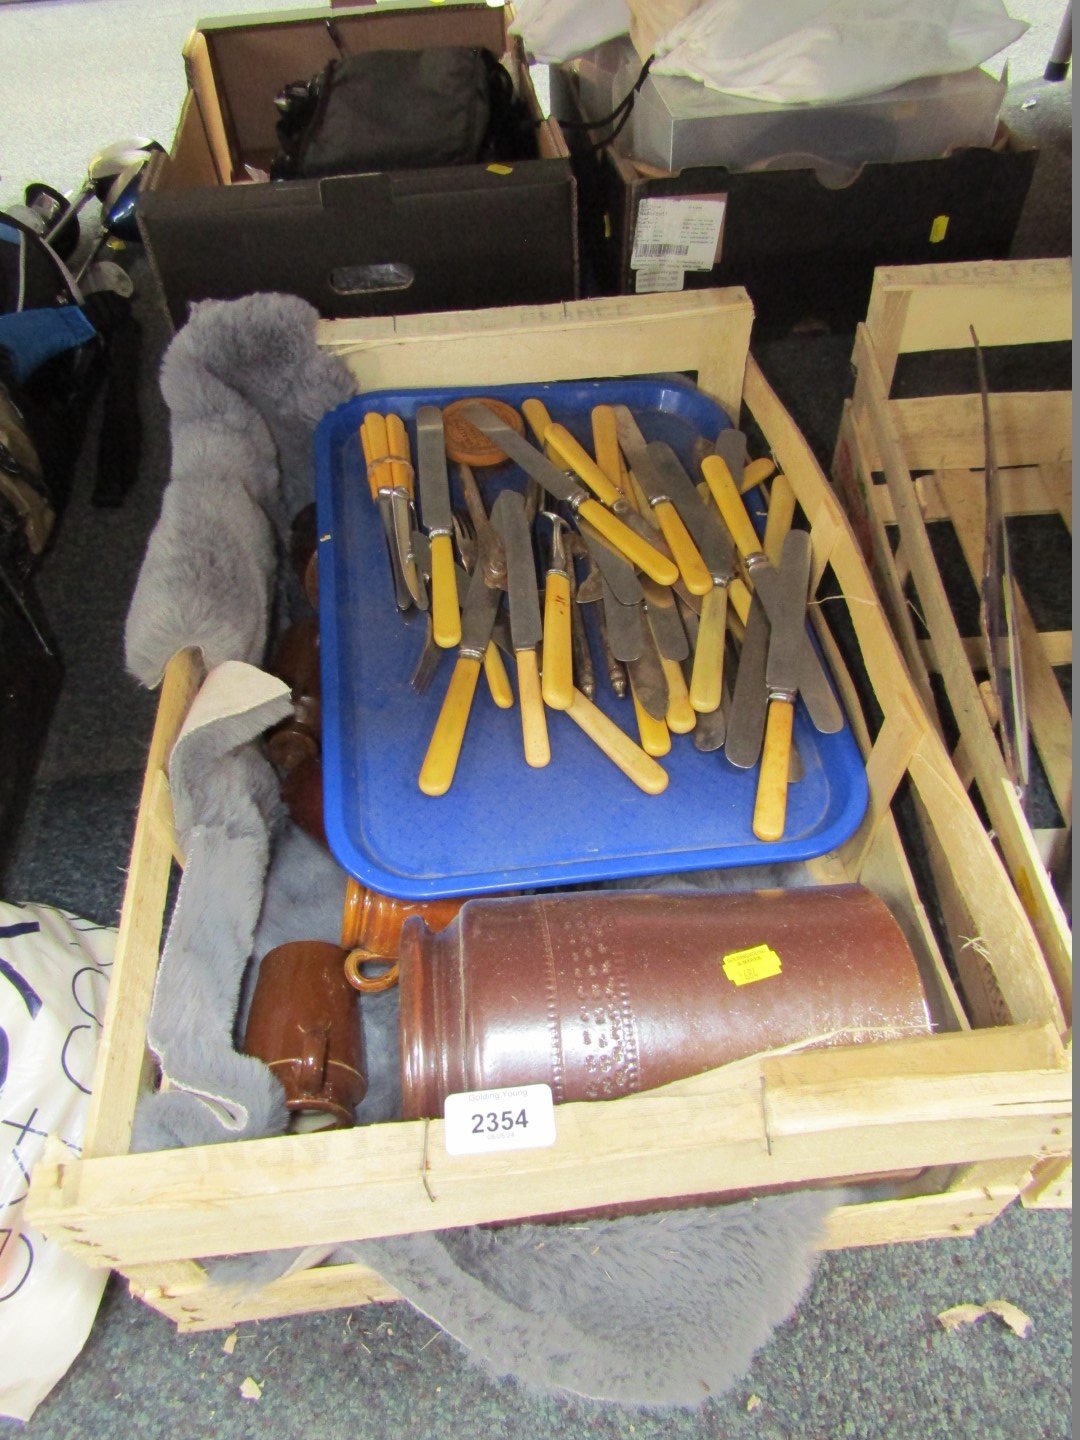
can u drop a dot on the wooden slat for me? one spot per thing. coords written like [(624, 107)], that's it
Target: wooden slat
[(964, 501), (1056, 646), (944, 432), (1025, 490), (755, 1124), (1016, 956), (194, 1304), (121, 1051), (932, 307), (1022, 986), (1051, 1186), (577, 340), (977, 1197)]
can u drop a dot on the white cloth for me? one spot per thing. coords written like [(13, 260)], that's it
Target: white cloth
[(819, 50), (788, 52), (53, 982)]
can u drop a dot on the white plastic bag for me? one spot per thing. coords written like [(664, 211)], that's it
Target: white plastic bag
[(53, 981), (557, 30), (818, 50)]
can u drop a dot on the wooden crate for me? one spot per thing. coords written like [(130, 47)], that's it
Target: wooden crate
[(906, 461), (973, 1111)]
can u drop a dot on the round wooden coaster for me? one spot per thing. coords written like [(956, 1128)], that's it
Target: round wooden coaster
[(467, 445)]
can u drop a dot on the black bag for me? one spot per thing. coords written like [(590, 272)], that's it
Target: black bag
[(401, 110)]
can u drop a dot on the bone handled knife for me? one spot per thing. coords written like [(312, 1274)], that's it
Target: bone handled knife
[(782, 679), (557, 483), (402, 500), (692, 568), (494, 669), (526, 627), (631, 759), (557, 669), (718, 552), (444, 748), (435, 514), (821, 703), (373, 443)]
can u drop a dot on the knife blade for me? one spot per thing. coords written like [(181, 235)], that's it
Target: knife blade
[(821, 704), (998, 597), (612, 564), (444, 748), (624, 624), (750, 698), (717, 550), (436, 519), (672, 525), (494, 669), (648, 678), (730, 445), (787, 632), (562, 487), (619, 592), (526, 626), (663, 616)]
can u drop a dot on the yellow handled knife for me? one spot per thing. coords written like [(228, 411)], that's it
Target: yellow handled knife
[(556, 670), (787, 631), (437, 521), (821, 703), (557, 483), (477, 622)]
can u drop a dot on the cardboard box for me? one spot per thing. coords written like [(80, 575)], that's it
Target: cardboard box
[(459, 237), (805, 250)]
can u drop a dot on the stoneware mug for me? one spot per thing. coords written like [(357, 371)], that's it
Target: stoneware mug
[(305, 1023)]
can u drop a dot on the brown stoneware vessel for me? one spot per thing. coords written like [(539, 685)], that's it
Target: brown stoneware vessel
[(305, 1023), (600, 993)]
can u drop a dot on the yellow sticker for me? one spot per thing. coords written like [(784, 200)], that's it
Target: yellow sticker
[(501, 169), (938, 228), (759, 962), (607, 226)]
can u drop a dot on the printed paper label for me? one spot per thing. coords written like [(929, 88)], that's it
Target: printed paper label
[(519, 1117), (759, 962), (658, 279), (678, 232)]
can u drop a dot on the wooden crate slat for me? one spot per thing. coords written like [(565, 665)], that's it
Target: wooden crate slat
[(963, 1098), (575, 340), (932, 307), (121, 1053), (944, 432), (965, 699), (1015, 955), (1025, 490), (964, 502), (754, 1124)]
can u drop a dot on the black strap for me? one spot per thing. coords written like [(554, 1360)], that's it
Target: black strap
[(619, 116)]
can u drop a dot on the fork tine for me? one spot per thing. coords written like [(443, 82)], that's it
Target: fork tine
[(428, 663)]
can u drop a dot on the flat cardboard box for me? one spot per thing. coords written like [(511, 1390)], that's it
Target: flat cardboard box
[(380, 243), (805, 250)]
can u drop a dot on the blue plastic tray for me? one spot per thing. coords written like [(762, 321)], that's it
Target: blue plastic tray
[(503, 826)]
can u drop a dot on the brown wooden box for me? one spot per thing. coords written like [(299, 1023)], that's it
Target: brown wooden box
[(974, 1111)]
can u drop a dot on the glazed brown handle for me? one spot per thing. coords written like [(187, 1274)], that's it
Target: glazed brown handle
[(370, 984)]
